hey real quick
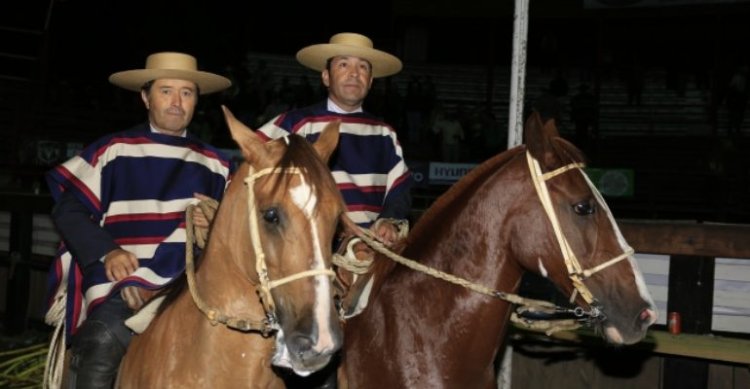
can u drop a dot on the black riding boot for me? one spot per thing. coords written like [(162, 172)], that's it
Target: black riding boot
[(95, 357), (98, 347)]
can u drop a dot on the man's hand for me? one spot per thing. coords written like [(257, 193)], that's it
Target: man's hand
[(119, 264), (200, 218), (386, 232), (132, 296), (390, 231)]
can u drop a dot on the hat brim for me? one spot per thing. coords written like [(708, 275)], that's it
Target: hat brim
[(134, 79), (316, 56)]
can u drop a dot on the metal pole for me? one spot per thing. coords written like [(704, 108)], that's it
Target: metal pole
[(515, 129), (518, 73)]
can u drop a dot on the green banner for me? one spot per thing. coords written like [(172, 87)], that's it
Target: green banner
[(612, 182)]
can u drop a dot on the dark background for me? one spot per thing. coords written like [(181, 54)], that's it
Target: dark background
[(55, 59), (91, 39)]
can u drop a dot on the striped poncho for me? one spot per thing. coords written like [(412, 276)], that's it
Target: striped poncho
[(368, 165), (136, 184)]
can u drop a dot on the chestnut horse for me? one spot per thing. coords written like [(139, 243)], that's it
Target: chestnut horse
[(266, 270), (419, 331)]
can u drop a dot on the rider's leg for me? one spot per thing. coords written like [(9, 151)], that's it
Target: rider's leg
[(99, 344)]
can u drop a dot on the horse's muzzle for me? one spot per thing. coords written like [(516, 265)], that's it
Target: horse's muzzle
[(302, 354)]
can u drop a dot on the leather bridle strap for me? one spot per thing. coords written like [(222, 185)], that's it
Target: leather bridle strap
[(264, 289), (576, 273)]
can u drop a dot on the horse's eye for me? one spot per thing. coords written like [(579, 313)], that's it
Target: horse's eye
[(271, 215), (584, 208)]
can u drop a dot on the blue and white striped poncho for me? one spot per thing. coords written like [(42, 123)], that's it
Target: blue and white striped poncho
[(368, 165), (137, 185)]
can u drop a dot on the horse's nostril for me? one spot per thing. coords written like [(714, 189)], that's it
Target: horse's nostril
[(301, 344), (648, 317)]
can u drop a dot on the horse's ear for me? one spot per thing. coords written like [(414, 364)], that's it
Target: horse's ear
[(538, 138), (550, 129), (328, 140), (250, 143)]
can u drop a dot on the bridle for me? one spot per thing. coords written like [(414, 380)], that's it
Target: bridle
[(576, 273), (531, 308), (264, 289), (270, 323)]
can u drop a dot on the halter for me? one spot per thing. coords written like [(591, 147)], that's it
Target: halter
[(266, 284), (270, 323), (576, 273), (530, 313)]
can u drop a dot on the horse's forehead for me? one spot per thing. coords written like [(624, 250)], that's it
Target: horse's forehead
[(304, 196), (571, 183), (298, 188)]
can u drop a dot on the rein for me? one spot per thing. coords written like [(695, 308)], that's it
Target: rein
[(530, 313), (270, 323), (525, 305)]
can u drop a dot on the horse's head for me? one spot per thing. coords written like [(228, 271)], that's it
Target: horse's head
[(284, 207), (585, 255)]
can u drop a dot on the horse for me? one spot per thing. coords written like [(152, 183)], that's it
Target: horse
[(528, 209), (265, 270)]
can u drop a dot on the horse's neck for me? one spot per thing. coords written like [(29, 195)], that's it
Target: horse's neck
[(224, 282), (471, 236)]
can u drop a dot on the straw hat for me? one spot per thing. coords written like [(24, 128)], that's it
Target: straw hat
[(170, 65), (349, 44)]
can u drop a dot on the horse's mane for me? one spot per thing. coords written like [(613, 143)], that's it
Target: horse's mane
[(467, 184), (299, 153), (561, 148)]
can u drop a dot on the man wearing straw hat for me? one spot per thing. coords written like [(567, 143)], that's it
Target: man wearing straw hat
[(119, 206), (368, 166)]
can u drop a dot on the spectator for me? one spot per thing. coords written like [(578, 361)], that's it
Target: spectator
[(414, 103), (451, 135)]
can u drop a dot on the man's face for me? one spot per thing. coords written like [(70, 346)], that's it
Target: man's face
[(170, 104), (348, 80)]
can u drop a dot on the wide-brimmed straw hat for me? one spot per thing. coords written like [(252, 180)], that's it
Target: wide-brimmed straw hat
[(349, 44), (170, 65)]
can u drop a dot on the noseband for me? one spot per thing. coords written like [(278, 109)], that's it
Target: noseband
[(270, 323), (576, 273)]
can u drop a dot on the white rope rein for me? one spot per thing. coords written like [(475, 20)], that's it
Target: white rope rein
[(54, 365)]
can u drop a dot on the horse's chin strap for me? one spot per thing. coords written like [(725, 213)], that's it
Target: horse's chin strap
[(576, 273)]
